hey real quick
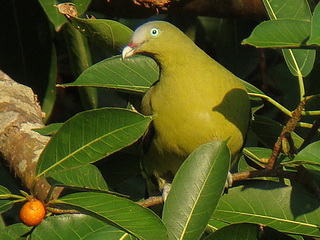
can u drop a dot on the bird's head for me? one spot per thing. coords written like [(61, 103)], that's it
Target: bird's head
[(155, 38)]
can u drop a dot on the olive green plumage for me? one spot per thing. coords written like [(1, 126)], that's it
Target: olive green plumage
[(195, 101)]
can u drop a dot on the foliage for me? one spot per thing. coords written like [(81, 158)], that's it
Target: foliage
[(94, 154)]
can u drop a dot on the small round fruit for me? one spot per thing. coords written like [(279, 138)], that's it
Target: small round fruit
[(32, 212)]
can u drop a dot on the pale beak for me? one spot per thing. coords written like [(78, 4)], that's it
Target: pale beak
[(129, 50)]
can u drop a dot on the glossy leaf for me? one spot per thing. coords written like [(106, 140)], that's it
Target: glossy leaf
[(294, 9), (196, 190), (76, 226), (286, 209), (50, 129), (309, 157), (249, 231), (80, 59), (300, 62), (315, 27), (122, 213), (215, 224), (4, 203), (280, 33), (89, 136), (87, 177), (14, 231), (135, 74), (55, 16), (108, 34), (236, 232)]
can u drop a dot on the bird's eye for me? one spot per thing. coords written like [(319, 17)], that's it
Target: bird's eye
[(154, 32)]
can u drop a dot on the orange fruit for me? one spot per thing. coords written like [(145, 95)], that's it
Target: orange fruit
[(32, 212)]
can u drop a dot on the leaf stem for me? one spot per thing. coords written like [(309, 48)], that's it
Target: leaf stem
[(273, 102), (301, 86)]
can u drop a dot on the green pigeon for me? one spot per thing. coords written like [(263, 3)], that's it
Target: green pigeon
[(195, 101)]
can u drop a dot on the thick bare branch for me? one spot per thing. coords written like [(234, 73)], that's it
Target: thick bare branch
[(20, 146)]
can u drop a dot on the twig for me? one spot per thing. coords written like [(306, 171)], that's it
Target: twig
[(263, 173), (151, 201), (288, 129)]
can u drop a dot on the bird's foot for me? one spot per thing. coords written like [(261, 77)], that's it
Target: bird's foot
[(165, 191), (229, 180)]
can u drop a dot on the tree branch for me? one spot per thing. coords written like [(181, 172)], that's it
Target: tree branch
[(19, 145)]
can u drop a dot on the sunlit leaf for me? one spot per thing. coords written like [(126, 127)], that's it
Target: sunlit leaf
[(315, 27), (89, 136), (122, 213), (196, 189), (4, 203), (286, 209), (50, 129), (294, 9), (14, 231), (300, 62), (86, 177), (236, 232), (76, 226), (108, 34), (135, 74), (309, 157)]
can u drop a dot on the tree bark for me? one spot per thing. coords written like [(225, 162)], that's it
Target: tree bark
[(20, 146)]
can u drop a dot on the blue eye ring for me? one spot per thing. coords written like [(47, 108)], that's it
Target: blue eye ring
[(154, 32)]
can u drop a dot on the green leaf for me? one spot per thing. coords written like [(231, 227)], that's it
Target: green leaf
[(76, 226), (280, 33), (286, 209), (300, 62), (89, 136), (4, 203), (215, 224), (236, 232), (196, 190), (122, 213), (135, 74), (14, 231), (108, 34), (309, 157), (55, 16), (268, 130), (80, 59), (294, 9), (315, 27), (50, 129), (87, 177)]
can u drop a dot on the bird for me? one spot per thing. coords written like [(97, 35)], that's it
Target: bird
[(195, 101)]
